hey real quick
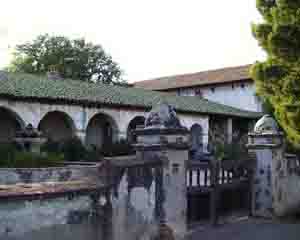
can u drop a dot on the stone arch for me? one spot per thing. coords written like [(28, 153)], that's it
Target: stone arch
[(57, 126), (10, 123), (136, 121), (196, 137), (101, 129)]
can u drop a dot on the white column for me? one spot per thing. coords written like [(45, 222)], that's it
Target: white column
[(122, 135), (229, 130), (81, 134)]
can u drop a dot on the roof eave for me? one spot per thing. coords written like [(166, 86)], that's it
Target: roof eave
[(195, 85), (89, 104)]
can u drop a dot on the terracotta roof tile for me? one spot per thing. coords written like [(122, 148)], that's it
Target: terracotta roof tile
[(219, 76), (25, 86)]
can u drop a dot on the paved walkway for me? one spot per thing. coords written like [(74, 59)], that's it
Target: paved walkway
[(251, 229)]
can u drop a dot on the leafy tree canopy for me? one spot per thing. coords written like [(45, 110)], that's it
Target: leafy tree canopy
[(71, 58), (278, 77)]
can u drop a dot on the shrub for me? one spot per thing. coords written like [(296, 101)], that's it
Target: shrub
[(51, 146), (35, 160), (236, 156), (73, 149), (12, 157), (120, 148), (50, 160), (93, 154), (230, 151), (25, 160), (7, 155)]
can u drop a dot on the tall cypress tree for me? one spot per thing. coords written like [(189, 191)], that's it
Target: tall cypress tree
[(277, 79)]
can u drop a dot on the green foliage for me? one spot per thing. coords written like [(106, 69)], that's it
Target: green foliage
[(72, 58), (11, 157), (230, 151), (265, 7), (7, 155), (93, 154), (120, 148), (278, 78), (51, 146), (73, 150)]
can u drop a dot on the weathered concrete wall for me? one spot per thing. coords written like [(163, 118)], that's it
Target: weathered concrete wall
[(175, 191), (129, 213), (59, 174), (262, 182), (133, 205), (286, 182), (23, 220), (276, 180)]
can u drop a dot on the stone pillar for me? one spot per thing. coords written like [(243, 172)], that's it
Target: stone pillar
[(165, 139), (266, 143), (276, 182), (266, 147)]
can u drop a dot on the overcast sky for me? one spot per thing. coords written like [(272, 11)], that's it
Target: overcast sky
[(148, 39)]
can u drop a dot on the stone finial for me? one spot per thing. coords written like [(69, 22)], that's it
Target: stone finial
[(163, 116), (266, 124)]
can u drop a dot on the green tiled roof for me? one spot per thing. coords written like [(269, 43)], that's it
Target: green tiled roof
[(26, 86)]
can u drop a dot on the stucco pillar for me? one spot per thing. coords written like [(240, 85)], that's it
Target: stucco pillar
[(265, 148), (81, 134), (121, 135), (229, 130), (164, 138), (276, 181)]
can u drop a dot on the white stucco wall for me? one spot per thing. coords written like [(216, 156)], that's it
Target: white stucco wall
[(232, 94)]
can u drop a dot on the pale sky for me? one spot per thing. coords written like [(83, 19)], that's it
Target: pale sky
[(148, 39)]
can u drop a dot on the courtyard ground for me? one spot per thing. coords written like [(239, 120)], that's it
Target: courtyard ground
[(249, 229)]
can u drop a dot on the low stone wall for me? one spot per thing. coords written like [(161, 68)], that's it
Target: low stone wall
[(128, 211), (53, 174)]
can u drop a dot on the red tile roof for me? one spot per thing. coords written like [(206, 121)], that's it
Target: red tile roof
[(219, 76)]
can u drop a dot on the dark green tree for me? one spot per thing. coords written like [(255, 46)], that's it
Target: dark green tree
[(277, 79), (72, 58)]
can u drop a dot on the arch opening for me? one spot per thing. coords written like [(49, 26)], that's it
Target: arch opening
[(101, 130), (10, 124), (136, 121), (57, 126), (196, 139)]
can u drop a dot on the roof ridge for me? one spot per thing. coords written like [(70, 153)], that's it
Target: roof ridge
[(193, 73)]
